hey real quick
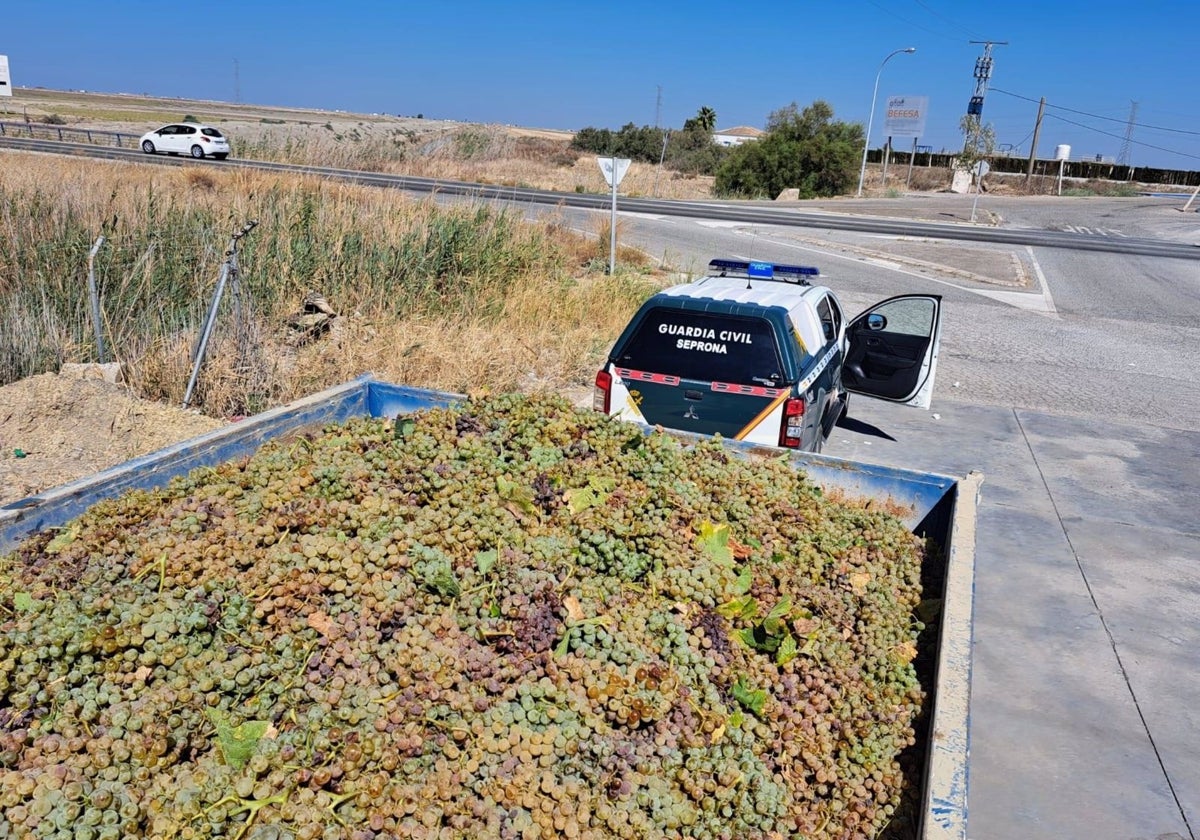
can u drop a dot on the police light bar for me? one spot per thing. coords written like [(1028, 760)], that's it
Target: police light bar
[(763, 270)]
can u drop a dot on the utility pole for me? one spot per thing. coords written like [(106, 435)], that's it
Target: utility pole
[(983, 72), (1037, 131), (658, 109)]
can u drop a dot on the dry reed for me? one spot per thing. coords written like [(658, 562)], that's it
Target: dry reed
[(461, 297)]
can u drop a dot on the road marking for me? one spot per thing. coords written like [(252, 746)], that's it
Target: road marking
[(1090, 231), (1042, 304), (1041, 278)]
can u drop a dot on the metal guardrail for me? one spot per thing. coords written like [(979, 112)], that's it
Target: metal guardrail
[(48, 131)]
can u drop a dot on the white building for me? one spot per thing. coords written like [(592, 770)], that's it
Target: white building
[(736, 136)]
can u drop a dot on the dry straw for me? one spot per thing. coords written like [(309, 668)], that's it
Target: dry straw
[(462, 296)]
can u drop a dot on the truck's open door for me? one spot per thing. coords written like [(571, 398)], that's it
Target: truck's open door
[(892, 350)]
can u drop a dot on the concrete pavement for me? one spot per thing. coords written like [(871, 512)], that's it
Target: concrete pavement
[(1086, 653)]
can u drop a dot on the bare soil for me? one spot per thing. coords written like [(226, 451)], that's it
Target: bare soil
[(55, 429)]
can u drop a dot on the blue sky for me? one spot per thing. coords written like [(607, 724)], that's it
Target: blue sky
[(569, 65)]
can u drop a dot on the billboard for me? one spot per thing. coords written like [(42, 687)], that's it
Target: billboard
[(5, 82), (906, 115)]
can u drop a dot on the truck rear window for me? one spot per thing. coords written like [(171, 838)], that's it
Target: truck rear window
[(706, 347)]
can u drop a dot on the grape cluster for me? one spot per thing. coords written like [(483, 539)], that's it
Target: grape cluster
[(504, 619)]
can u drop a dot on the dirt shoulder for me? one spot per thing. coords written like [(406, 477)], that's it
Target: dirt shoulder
[(55, 429)]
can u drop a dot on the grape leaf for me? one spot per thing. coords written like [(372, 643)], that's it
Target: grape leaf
[(441, 580), (23, 601), (788, 650), (62, 539), (776, 621), (512, 492), (714, 542), (580, 499), (595, 494), (743, 583), (403, 428), (752, 699), (564, 645), (859, 582), (238, 743), (905, 652), (929, 609), (485, 561), (742, 607)]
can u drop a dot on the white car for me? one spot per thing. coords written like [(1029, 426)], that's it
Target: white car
[(199, 141)]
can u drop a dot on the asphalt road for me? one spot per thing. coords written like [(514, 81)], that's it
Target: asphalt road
[(1069, 378), (1083, 333)]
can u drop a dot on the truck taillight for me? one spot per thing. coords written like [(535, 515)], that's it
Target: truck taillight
[(602, 395), (792, 427)]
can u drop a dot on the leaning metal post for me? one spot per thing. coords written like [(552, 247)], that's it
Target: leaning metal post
[(94, 296), (227, 267)]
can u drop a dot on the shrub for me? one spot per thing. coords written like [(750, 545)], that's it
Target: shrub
[(804, 150)]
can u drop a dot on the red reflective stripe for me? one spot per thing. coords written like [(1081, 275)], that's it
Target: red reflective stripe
[(643, 376), (749, 390)]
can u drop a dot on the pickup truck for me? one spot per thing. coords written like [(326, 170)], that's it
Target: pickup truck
[(753, 351)]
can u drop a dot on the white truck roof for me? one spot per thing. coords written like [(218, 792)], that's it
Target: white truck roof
[(800, 301)]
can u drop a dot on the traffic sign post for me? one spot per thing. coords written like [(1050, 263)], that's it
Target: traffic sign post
[(613, 169), (5, 80), (981, 169)]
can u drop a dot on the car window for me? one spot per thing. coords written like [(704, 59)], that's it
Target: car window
[(210, 132), (830, 322), (838, 317), (167, 129), (186, 129), (704, 346), (910, 316)]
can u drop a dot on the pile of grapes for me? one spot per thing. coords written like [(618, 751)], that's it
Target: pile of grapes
[(506, 619)]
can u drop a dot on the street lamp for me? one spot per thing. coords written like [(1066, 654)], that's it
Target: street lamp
[(862, 173)]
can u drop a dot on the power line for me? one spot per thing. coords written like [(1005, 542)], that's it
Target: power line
[(1120, 137), (888, 11), (1100, 116), (937, 14)]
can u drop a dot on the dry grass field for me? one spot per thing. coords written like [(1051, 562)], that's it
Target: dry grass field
[(467, 298), (480, 153)]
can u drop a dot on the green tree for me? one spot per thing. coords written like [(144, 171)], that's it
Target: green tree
[(979, 142), (691, 150), (596, 140), (643, 144), (694, 151), (705, 120), (805, 150)]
